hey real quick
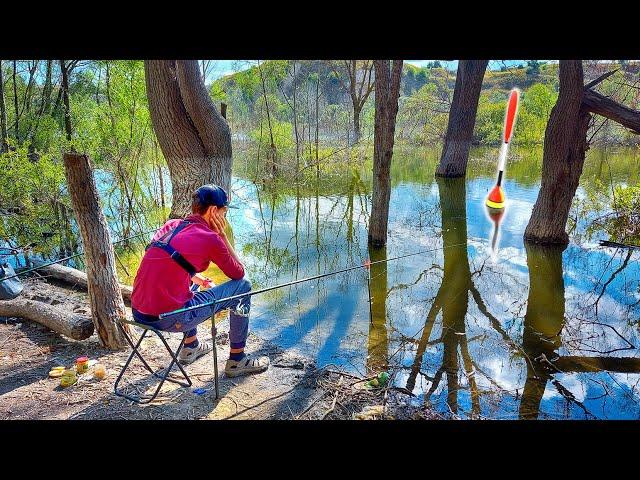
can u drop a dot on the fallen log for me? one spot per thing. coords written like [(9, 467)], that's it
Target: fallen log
[(75, 277), (59, 320)]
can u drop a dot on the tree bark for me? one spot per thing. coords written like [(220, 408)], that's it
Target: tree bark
[(78, 327), (462, 118), (105, 298), (4, 145), (565, 144), (387, 87), (193, 136), (76, 278)]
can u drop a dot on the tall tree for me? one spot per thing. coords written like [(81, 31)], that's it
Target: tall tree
[(105, 297), (565, 143), (462, 118), (4, 146), (194, 138), (359, 84), (387, 83)]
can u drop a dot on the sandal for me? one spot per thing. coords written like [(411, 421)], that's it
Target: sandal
[(189, 355), (248, 364)]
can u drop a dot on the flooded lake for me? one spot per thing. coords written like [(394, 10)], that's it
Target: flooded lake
[(519, 332), (527, 332)]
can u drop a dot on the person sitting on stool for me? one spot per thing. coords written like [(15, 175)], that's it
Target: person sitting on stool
[(178, 252)]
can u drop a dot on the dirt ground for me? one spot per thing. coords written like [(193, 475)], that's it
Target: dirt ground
[(292, 388)]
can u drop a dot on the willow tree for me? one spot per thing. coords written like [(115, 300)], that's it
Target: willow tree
[(387, 84), (193, 136), (565, 143), (462, 118)]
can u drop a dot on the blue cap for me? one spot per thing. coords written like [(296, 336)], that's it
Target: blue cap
[(211, 194)]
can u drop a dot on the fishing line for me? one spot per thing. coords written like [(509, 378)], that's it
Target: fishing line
[(367, 264), (73, 256)]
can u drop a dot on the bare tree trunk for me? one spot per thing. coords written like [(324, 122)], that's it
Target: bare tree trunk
[(295, 119), (356, 125), (462, 118), (358, 89), (194, 137), (317, 127), (271, 157), (65, 99), (16, 118), (565, 144), (107, 306), (387, 87), (4, 145), (44, 102)]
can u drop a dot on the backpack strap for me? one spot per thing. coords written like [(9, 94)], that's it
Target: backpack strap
[(173, 253)]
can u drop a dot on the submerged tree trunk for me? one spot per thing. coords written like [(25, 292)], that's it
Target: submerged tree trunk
[(462, 118), (107, 306), (543, 322), (565, 143), (378, 342), (4, 145), (387, 87), (193, 136)]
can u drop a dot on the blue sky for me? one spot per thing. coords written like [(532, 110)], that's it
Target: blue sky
[(220, 68)]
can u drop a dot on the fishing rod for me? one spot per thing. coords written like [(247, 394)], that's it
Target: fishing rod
[(71, 256), (367, 264)]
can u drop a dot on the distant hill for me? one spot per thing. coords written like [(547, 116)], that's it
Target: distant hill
[(247, 82)]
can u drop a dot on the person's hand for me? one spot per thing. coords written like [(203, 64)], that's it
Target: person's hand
[(219, 224)]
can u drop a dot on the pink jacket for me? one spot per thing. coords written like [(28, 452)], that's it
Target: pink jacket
[(161, 285)]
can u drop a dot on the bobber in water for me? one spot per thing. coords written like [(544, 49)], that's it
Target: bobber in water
[(496, 196)]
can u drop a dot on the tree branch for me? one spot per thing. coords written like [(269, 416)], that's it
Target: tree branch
[(601, 105)]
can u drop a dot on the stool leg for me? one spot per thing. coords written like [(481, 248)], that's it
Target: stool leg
[(215, 353)]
